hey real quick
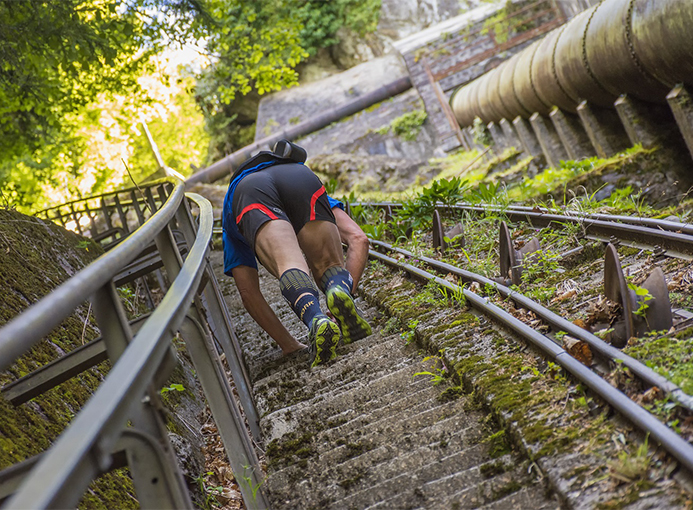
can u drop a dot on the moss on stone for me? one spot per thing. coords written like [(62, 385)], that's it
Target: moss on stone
[(37, 257)]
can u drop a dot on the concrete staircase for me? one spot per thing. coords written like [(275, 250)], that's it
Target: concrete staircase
[(365, 432)]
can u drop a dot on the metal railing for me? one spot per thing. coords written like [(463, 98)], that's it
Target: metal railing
[(121, 424)]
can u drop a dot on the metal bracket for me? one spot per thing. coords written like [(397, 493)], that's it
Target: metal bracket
[(438, 236), (655, 317), (510, 258)]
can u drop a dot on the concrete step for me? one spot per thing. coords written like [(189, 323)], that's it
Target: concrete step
[(532, 497), (460, 494), (417, 472), (445, 439), (392, 391)]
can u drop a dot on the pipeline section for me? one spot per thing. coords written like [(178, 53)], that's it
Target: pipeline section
[(642, 48), (225, 167)]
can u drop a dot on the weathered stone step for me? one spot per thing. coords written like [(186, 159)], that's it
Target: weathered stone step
[(336, 397), (528, 498), (461, 494), (417, 467), (348, 460), (428, 416), (343, 415), (323, 395), (371, 358)]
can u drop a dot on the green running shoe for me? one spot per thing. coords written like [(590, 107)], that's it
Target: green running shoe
[(324, 337), (341, 304)]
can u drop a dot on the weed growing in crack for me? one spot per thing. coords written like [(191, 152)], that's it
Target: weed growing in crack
[(438, 371), (409, 335)]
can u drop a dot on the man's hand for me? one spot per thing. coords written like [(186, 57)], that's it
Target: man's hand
[(248, 283)]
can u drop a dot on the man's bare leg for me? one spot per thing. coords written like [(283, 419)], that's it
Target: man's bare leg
[(322, 246), (277, 248), (279, 251)]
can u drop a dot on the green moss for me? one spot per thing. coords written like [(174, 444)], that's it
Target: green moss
[(289, 449), (493, 369), (497, 444), (671, 357), (37, 257), (491, 469), (450, 394)]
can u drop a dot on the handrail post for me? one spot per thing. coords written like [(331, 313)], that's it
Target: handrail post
[(158, 481), (216, 386), (247, 471), (220, 323)]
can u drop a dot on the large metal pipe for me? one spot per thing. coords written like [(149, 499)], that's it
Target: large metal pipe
[(638, 47), (507, 90), (543, 73), (663, 39), (611, 55), (571, 66), (225, 167), (524, 86)]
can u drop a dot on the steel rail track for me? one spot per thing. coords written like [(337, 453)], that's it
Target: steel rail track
[(558, 323), (667, 237), (677, 447)]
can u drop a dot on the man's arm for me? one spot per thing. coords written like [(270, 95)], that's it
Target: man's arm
[(357, 245), (248, 284)]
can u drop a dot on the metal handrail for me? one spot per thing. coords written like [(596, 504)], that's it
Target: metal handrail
[(128, 395), (27, 329)]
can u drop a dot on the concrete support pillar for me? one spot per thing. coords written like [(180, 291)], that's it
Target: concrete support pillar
[(575, 141), (550, 143), (497, 135), (682, 107), (604, 129), (645, 123), (510, 135), (468, 138), (528, 139)]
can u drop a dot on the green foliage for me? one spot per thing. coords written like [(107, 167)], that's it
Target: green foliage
[(320, 20), (255, 45), (173, 387), (75, 84), (539, 264), (59, 56), (643, 293), (408, 125), (631, 466), (670, 357), (448, 191), (72, 90), (375, 232), (410, 334), (480, 132), (437, 372), (331, 186)]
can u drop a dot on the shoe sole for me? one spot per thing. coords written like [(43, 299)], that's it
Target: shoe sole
[(353, 326), (326, 340)]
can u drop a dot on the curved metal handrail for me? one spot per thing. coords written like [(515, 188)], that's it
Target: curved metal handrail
[(27, 329), (88, 436), (86, 448), (43, 213)]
